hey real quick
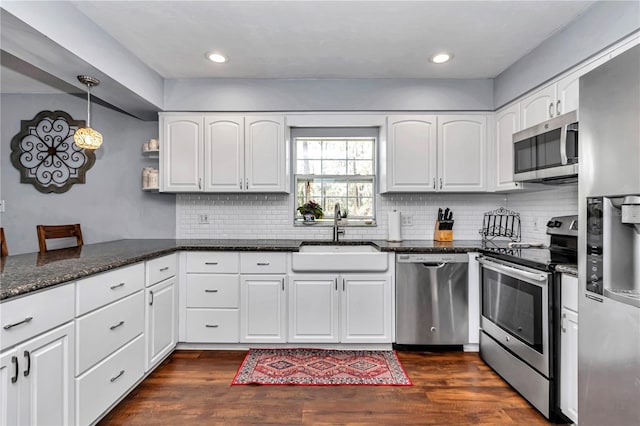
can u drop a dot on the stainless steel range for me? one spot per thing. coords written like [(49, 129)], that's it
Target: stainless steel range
[(521, 311)]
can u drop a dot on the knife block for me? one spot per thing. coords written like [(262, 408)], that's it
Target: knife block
[(442, 234)]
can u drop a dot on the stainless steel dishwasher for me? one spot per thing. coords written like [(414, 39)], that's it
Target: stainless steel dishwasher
[(432, 299)]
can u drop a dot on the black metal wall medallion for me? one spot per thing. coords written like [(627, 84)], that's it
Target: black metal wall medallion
[(45, 154)]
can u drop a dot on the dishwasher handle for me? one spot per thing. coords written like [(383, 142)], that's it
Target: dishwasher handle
[(433, 265)]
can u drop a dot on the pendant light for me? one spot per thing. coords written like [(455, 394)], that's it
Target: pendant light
[(86, 137)]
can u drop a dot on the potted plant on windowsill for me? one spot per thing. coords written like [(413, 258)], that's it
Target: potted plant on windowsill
[(310, 211)]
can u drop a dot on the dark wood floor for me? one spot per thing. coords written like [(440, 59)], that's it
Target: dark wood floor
[(193, 388)]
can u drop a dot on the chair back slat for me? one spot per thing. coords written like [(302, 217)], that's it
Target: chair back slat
[(4, 251), (48, 232)]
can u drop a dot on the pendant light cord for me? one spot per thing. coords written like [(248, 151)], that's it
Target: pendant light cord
[(88, 106)]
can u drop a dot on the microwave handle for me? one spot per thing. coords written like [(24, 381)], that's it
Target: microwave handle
[(563, 145)]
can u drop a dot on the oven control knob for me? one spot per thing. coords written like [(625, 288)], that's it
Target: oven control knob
[(433, 329), (550, 224), (557, 224), (507, 338)]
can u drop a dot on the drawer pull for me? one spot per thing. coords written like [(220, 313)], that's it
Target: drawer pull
[(113, 327), (113, 287), (15, 324), (211, 325), (210, 263), (151, 298), (262, 263), (113, 379), (14, 360), (27, 355), (164, 269), (207, 290)]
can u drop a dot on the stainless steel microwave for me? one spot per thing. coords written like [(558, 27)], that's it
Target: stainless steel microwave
[(547, 152)]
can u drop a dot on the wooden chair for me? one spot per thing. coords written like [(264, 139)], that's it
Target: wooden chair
[(5, 251), (46, 232)]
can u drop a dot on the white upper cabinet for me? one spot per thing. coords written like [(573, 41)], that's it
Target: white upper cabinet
[(181, 153), (507, 122), (462, 145), (264, 157), (411, 153), (538, 107), (222, 153)]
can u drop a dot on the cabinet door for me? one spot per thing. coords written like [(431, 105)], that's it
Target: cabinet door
[(10, 373), (224, 154), (411, 153), (181, 153), (366, 309), (264, 154), (507, 123), (538, 107), (313, 308), (47, 391), (462, 146), (569, 365), (162, 320), (263, 309), (568, 88)]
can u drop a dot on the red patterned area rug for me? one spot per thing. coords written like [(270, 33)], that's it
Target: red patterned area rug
[(319, 367)]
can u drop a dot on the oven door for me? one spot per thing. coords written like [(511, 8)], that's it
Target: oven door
[(515, 310)]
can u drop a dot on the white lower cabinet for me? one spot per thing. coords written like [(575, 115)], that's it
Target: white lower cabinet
[(110, 379), (212, 325), (37, 380), (349, 308), (263, 300), (162, 320), (569, 347)]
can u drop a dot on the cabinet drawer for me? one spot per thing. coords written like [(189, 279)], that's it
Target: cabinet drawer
[(101, 386), (212, 291), (263, 263), (161, 268), (213, 325), (102, 289), (215, 262), (23, 318), (101, 332)]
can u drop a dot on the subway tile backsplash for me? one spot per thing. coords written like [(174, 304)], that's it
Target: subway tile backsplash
[(270, 216)]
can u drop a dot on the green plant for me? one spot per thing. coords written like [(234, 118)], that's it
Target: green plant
[(312, 208)]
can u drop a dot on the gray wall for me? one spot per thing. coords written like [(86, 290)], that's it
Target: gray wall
[(602, 25), (110, 205), (328, 95)]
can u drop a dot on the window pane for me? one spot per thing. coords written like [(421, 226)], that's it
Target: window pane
[(360, 150), (360, 189), (309, 167), (335, 189), (334, 149), (334, 167), (360, 167), (330, 203), (360, 207), (308, 190), (308, 148)]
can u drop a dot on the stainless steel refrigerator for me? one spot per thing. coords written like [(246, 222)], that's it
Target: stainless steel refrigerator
[(609, 243)]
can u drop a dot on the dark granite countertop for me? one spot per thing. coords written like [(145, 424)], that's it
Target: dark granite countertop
[(26, 273)]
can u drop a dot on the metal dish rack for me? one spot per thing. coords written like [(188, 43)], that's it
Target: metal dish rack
[(501, 223)]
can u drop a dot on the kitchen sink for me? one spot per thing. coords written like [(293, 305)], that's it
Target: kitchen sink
[(314, 257)]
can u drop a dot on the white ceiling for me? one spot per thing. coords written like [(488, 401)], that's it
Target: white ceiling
[(331, 39)]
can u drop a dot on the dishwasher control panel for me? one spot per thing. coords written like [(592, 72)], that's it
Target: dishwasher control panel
[(432, 257)]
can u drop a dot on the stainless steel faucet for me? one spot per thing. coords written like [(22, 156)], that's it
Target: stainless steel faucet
[(336, 229)]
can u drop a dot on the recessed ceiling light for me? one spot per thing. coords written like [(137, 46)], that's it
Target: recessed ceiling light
[(216, 57), (441, 58)]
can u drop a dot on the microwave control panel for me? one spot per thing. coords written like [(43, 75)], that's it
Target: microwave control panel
[(594, 245)]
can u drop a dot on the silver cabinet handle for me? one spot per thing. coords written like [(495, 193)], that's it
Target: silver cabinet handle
[(343, 285), (336, 280), (206, 290), (434, 183), (440, 183), (558, 107), (14, 361), (113, 287), (282, 283), (27, 355), (199, 183), (151, 298), (246, 184), (211, 325), (551, 110), (113, 379), (164, 269), (210, 263), (15, 324), (240, 183), (262, 263), (564, 330), (113, 327)]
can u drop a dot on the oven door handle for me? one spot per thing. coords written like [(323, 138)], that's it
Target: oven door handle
[(509, 270)]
